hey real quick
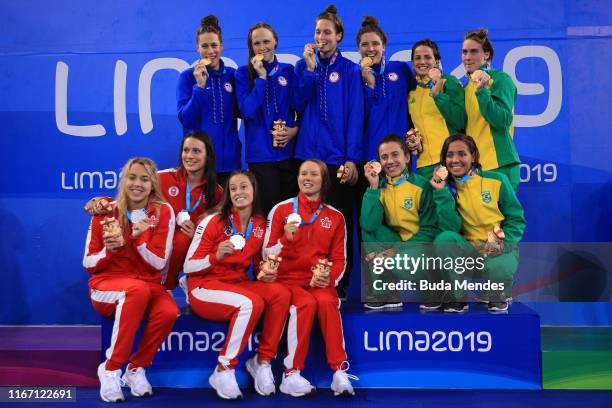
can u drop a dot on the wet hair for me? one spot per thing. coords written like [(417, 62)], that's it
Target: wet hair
[(209, 24), (369, 24), (428, 43), (473, 149), (481, 36), (210, 175), (325, 181), (393, 137), (155, 197), (252, 74), (225, 206), (330, 14)]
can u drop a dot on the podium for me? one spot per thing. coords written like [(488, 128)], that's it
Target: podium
[(395, 349)]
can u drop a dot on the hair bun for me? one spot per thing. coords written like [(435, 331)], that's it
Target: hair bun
[(369, 21), (210, 20), (482, 32), (331, 9)]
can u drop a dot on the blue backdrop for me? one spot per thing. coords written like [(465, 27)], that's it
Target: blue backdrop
[(86, 85)]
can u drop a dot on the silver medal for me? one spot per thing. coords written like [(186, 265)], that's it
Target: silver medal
[(238, 241)]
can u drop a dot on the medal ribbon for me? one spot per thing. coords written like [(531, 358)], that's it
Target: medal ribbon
[(249, 229), (462, 180), (314, 216), (273, 71), (381, 71), (400, 180), (188, 207), (331, 61), (425, 84)]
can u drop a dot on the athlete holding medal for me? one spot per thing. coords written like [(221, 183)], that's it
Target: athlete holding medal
[(479, 215), (206, 98), (191, 189), (125, 252), (386, 86), (489, 104), (264, 89), (329, 92), (226, 243), (437, 106), (397, 208), (310, 236)]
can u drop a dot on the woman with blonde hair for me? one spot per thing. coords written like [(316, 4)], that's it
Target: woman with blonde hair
[(125, 252)]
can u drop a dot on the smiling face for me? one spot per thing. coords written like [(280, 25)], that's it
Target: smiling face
[(393, 158), (263, 42), (209, 46), (473, 55), (241, 191), (193, 155), (310, 179), (371, 45), (423, 60), (459, 159), (327, 37), (138, 186)]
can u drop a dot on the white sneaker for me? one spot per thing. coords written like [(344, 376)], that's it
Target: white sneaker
[(341, 383), (110, 384), (138, 383), (224, 382), (295, 385), (183, 286), (262, 376)]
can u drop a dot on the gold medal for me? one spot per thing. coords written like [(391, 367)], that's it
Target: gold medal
[(258, 57), (366, 62)]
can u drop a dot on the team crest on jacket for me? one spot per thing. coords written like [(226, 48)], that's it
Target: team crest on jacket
[(173, 191), (392, 76), (228, 87), (486, 197), (334, 77), (326, 223), (228, 231), (152, 221), (282, 81), (408, 203), (258, 232)]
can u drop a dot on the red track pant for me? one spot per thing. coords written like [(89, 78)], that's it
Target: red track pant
[(305, 302), (129, 301), (242, 304)]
